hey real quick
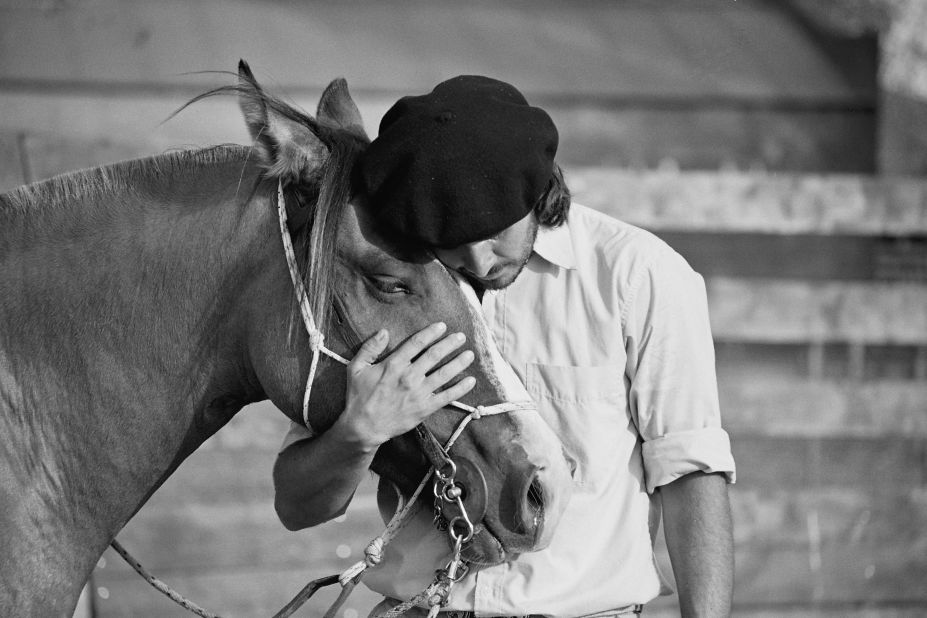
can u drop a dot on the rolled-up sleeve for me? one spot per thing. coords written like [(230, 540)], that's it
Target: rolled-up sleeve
[(673, 394)]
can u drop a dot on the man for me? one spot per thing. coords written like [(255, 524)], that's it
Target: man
[(606, 325)]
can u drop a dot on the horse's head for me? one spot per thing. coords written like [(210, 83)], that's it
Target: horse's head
[(511, 467)]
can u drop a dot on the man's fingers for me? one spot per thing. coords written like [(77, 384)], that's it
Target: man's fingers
[(371, 349), (454, 392), (430, 358), (416, 343), (449, 371)]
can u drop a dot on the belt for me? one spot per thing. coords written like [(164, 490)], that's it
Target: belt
[(631, 610)]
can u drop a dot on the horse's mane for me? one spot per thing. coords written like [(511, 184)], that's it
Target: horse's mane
[(115, 178), (315, 242)]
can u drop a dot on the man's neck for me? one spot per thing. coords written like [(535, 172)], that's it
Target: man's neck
[(479, 292)]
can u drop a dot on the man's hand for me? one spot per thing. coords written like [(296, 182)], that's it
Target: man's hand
[(315, 479), (391, 397)]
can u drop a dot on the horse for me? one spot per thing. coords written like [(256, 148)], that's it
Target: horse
[(144, 303)]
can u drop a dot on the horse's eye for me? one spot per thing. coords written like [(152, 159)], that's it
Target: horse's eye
[(388, 285)]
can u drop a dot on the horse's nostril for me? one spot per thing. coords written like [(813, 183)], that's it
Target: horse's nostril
[(535, 503)]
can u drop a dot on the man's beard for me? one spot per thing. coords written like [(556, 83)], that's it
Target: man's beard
[(491, 282)]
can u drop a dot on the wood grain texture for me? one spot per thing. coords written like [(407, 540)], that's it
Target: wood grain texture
[(756, 202), (588, 47), (793, 311)]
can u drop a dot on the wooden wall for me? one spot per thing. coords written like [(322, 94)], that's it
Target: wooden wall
[(737, 135), (823, 381)]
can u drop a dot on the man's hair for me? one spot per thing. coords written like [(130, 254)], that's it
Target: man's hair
[(554, 204)]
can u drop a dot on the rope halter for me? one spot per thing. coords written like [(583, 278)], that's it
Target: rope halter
[(436, 594), (316, 336)]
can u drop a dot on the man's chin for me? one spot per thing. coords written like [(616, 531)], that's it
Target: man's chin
[(500, 281)]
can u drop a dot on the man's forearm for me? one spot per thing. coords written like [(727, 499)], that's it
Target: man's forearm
[(314, 480), (698, 529)]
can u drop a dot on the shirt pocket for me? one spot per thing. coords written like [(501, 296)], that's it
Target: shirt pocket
[(586, 407)]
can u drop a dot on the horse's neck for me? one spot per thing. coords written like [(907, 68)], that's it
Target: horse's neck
[(121, 350)]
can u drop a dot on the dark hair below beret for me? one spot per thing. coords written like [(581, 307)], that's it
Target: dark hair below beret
[(459, 164)]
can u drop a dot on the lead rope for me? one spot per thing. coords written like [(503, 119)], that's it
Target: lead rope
[(435, 595), (437, 592)]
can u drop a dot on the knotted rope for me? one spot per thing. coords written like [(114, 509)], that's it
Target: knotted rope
[(316, 336)]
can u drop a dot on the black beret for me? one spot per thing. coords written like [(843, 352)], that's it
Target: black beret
[(459, 164)]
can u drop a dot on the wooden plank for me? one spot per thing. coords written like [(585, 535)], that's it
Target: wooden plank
[(756, 202), (233, 466), (634, 48), (66, 133), (220, 476), (185, 538), (11, 172), (771, 362), (831, 609), (801, 256), (896, 463), (847, 515), (702, 135), (125, 125), (838, 476), (786, 311), (232, 555), (781, 256), (774, 578), (255, 591), (840, 545), (756, 404), (51, 155), (872, 539), (69, 132), (259, 427)]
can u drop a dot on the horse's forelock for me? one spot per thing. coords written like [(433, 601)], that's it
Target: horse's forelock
[(332, 185), (317, 243)]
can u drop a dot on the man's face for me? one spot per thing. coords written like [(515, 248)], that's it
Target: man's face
[(494, 263)]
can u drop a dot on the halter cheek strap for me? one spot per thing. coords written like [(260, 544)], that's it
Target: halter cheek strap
[(316, 336)]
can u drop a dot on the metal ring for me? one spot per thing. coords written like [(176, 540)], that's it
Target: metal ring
[(453, 532), (447, 478)]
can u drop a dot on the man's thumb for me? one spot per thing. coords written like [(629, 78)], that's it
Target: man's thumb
[(372, 348)]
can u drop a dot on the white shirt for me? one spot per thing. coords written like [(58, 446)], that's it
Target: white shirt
[(608, 329)]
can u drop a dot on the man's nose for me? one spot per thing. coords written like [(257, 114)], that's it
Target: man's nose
[(478, 259)]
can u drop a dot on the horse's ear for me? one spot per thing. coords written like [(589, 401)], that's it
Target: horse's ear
[(337, 106), (289, 146)]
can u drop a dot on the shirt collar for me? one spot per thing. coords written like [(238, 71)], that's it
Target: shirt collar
[(555, 244)]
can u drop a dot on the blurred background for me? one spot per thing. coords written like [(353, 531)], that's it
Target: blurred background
[(779, 145)]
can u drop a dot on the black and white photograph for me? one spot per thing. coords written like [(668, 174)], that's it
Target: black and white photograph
[(463, 309)]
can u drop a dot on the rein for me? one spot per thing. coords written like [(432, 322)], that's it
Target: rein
[(446, 489)]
